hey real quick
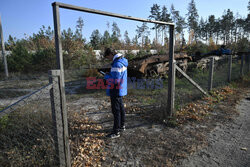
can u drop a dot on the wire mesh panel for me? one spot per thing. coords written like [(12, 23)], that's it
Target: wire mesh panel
[(220, 76), (147, 96), (18, 85), (185, 92), (236, 66), (207, 74), (246, 66), (26, 132)]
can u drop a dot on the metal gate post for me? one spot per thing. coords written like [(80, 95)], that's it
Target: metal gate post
[(171, 74), (242, 65), (211, 74), (59, 57), (229, 68)]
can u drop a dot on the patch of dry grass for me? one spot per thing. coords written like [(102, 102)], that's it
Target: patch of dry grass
[(27, 137)]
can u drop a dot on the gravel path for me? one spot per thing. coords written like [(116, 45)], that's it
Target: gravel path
[(228, 145)]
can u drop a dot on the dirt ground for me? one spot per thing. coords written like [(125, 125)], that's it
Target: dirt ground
[(228, 144), (220, 138)]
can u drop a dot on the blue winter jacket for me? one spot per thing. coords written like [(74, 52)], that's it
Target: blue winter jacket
[(117, 78)]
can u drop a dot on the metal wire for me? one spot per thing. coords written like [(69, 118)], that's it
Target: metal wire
[(26, 131), (186, 93)]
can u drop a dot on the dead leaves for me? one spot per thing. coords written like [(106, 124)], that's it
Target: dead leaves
[(86, 141), (196, 111), (193, 111), (219, 95), (134, 109)]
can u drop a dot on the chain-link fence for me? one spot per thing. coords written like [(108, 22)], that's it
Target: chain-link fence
[(18, 85), (209, 75), (32, 128), (32, 135), (26, 132)]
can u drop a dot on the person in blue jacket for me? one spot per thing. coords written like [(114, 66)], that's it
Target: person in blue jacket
[(117, 88)]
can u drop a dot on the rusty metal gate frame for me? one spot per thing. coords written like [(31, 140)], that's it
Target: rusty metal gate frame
[(59, 57)]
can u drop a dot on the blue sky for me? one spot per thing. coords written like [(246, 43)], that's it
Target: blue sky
[(21, 17)]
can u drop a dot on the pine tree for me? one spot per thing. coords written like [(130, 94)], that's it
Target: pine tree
[(165, 17), (174, 14), (247, 21), (142, 31), (126, 38), (193, 18), (202, 30), (106, 39), (116, 33), (179, 21), (135, 41), (238, 27), (79, 28), (155, 14), (248, 6), (217, 30), (95, 39), (67, 42), (211, 26), (227, 22), (11, 43)]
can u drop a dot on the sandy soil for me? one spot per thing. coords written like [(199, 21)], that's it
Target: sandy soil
[(222, 139), (229, 144)]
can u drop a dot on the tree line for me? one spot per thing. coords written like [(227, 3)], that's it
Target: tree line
[(37, 51), (228, 29)]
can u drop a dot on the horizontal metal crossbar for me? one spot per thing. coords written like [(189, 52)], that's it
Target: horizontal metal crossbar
[(83, 9)]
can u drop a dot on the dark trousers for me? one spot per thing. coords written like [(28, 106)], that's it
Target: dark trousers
[(118, 112)]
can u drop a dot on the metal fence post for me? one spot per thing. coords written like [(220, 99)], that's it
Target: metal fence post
[(59, 56), (3, 51), (57, 116), (171, 74), (248, 61), (211, 74), (242, 65), (230, 58)]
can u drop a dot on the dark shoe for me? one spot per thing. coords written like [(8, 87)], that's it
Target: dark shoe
[(122, 129), (113, 135)]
